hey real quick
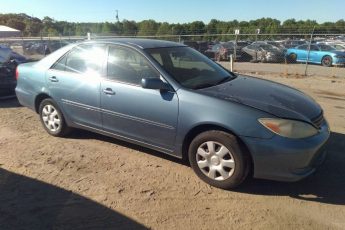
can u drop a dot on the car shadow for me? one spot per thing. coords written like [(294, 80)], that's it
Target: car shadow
[(26, 203), (83, 134), (9, 102), (326, 185)]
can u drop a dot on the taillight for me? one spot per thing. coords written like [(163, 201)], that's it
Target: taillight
[(17, 73)]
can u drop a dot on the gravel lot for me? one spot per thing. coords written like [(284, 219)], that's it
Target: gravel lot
[(90, 181)]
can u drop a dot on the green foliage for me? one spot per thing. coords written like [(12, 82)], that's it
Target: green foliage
[(31, 26), (165, 29), (129, 27), (147, 28)]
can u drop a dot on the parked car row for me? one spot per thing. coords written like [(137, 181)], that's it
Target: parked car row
[(323, 52), (42, 47)]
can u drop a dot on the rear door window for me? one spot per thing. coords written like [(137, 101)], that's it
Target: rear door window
[(83, 59)]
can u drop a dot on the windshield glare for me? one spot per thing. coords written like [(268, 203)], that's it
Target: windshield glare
[(190, 68)]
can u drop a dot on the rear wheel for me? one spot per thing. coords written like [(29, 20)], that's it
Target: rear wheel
[(327, 61), (292, 58), (218, 159), (52, 118)]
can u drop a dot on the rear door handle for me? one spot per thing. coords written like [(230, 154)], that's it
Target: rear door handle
[(53, 79), (108, 91)]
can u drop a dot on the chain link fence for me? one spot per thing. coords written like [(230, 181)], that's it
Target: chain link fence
[(35, 48), (317, 54)]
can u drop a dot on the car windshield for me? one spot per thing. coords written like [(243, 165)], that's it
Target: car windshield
[(190, 68), (228, 45)]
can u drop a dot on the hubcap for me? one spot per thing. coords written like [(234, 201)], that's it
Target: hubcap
[(51, 118), (327, 61), (215, 161)]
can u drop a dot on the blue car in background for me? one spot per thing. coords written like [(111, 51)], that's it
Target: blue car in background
[(171, 98), (319, 54)]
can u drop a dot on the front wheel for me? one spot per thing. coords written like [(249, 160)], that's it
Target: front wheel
[(52, 118), (218, 159), (326, 61), (292, 58)]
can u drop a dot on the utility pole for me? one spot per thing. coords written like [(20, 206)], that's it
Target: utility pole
[(237, 32), (117, 16), (257, 31), (308, 56)]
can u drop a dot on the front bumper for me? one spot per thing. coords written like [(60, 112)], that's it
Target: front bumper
[(339, 61), (274, 58), (285, 159)]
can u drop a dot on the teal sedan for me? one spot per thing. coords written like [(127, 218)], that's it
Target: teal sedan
[(170, 98), (319, 54)]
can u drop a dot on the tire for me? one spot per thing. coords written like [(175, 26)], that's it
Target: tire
[(292, 58), (226, 167), (327, 61), (52, 119)]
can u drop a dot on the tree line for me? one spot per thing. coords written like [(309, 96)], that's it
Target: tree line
[(32, 26)]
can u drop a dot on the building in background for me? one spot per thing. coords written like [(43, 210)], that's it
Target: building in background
[(6, 31)]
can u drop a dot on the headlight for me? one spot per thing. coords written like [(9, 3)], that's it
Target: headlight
[(289, 128)]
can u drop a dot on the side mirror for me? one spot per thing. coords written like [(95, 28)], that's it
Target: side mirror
[(154, 83)]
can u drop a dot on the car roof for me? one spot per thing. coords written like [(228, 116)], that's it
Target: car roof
[(133, 42), (140, 42)]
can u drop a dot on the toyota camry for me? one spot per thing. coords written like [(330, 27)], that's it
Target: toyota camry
[(171, 98)]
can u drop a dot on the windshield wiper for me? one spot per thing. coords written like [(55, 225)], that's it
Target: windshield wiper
[(226, 79), (206, 85)]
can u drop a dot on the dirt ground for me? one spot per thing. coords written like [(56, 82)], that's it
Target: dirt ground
[(89, 181)]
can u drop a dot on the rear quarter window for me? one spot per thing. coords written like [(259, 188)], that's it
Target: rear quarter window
[(82, 59)]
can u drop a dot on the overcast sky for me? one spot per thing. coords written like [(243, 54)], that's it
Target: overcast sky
[(178, 11)]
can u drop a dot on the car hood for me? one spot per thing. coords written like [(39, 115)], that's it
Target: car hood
[(274, 98)]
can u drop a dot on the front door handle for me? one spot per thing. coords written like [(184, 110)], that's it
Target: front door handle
[(53, 79), (108, 91)]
